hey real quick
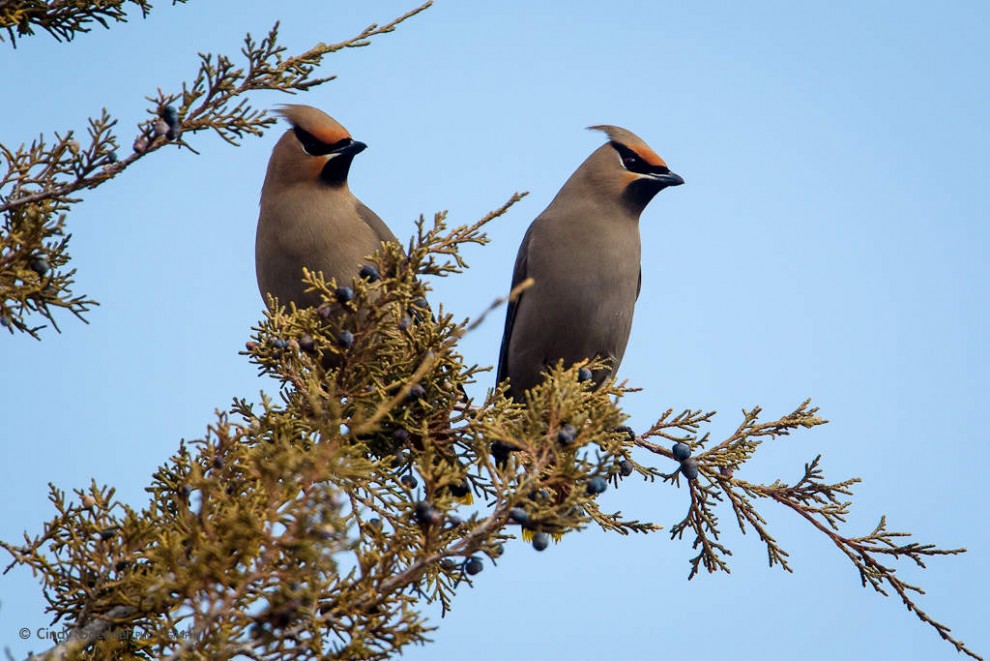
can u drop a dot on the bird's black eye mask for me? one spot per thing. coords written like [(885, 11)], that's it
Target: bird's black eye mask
[(315, 147), (632, 162)]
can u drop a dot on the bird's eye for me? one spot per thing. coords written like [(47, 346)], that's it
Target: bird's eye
[(309, 143), (316, 147), (632, 161)]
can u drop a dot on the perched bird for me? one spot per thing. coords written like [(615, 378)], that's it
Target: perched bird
[(309, 217), (583, 253)]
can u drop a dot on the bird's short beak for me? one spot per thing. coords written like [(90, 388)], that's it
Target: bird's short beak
[(669, 179), (353, 147)]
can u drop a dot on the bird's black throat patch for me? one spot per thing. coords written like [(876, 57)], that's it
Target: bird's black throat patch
[(335, 171)]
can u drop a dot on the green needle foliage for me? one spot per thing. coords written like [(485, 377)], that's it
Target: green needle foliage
[(319, 524)]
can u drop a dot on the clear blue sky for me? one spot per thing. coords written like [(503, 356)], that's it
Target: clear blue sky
[(831, 241)]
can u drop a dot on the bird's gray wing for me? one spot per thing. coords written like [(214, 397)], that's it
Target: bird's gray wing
[(639, 282), (377, 225), (518, 275)]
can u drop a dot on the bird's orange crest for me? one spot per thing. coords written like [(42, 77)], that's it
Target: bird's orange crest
[(317, 123), (629, 139), (644, 152)]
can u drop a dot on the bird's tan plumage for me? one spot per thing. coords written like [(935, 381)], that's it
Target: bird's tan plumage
[(309, 217), (583, 252)]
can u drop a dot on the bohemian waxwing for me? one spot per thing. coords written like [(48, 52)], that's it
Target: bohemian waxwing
[(583, 253), (309, 217)]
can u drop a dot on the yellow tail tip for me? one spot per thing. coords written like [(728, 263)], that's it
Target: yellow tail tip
[(528, 534)]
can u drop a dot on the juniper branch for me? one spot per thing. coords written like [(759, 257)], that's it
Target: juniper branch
[(216, 85), (815, 502), (822, 504), (63, 19)]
